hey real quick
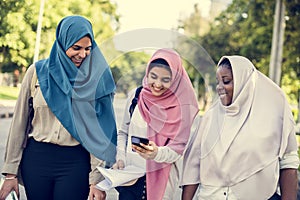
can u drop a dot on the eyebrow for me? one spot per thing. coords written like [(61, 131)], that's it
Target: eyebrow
[(152, 73)]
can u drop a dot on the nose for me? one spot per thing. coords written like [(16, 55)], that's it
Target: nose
[(83, 53), (220, 85), (157, 83)]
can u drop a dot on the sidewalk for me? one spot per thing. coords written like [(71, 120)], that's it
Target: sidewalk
[(7, 108)]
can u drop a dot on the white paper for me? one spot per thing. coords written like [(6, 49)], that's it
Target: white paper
[(118, 177), (12, 195)]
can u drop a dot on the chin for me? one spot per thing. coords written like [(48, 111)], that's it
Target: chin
[(224, 102), (156, 94)]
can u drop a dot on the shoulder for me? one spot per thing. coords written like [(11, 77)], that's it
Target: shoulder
[(133, 93), (30, 70), (267, 86), (28, 75)]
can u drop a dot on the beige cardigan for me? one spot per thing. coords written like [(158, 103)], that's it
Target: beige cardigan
[(46, 128)]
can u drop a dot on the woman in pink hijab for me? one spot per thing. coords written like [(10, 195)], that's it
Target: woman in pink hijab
[(164, 114), (245, 147)]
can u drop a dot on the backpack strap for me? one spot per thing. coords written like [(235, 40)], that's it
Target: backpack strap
[(30, 108), (135, 100)]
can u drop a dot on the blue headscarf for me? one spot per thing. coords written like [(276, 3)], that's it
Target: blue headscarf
[(81, 98)]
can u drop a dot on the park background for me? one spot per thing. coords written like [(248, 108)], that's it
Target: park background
[(266, 32)]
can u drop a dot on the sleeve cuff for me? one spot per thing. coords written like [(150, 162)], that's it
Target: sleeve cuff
[(289, 160)]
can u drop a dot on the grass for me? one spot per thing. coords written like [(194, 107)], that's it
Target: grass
[(9, 93)]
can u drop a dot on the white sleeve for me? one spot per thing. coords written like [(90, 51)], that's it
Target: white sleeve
[(123, 130), (191, 157), (289, 160), (166, 154)]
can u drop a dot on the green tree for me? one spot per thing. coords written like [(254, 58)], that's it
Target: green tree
[(10, 40), (246, 27), (131, 68), (19, 25)]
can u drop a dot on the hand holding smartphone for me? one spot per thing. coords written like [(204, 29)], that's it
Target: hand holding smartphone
[(137, 140)]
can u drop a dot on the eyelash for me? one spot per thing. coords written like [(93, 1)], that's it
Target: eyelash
[(225, 82), (163, 80), (78, 48)]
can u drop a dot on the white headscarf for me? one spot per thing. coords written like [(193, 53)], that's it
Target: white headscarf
[(240, 145)]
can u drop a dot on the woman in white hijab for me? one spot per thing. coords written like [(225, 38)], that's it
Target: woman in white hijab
[(245, 146)]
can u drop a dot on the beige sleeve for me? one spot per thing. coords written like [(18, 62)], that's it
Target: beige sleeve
[(95, 176), (16, 136)]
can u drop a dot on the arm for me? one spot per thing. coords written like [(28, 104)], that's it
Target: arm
[(96, 194), (190, 177), (188, 191), (288, 184), (158, 154), (95, 177), (289, 161), (16, 136), (10, 183), (166, 154), (123, 135)]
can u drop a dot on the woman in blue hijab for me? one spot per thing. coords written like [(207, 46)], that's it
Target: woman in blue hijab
[(73, 125)]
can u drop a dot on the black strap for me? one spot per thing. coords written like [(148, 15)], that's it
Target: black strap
[(29, 120), (135, 100)]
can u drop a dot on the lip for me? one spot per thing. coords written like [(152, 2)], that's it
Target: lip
[(222, 95), (157, 89), (77, 61)]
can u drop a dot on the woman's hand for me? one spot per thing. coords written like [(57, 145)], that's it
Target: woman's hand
[(148, 152), (10, 184), (96, 194), (119, 165)]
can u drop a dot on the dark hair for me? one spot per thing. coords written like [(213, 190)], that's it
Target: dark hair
[(160, 63), (225, 63)]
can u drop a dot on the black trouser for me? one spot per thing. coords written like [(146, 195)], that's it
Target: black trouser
[(136, 191), (53, 172)]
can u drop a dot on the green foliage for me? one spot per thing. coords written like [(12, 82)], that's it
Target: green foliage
[(8, 93), (19, 24), (246, 27), (130, 68)]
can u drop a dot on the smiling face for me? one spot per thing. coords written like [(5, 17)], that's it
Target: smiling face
[(80, 50), (159, 80), (225, 84)]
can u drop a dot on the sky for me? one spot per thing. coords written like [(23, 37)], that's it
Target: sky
[(164, 14)]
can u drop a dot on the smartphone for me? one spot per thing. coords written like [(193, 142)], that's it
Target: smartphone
[(137, 140)]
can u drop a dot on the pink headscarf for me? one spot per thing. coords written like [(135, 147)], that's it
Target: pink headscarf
[(169, 118)]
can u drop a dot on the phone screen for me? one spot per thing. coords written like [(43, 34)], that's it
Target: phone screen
[(137, 140)]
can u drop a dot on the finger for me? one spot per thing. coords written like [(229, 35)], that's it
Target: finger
[(16, 189), (114, 166), (121, 164), (137, 148), (147, 147)]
